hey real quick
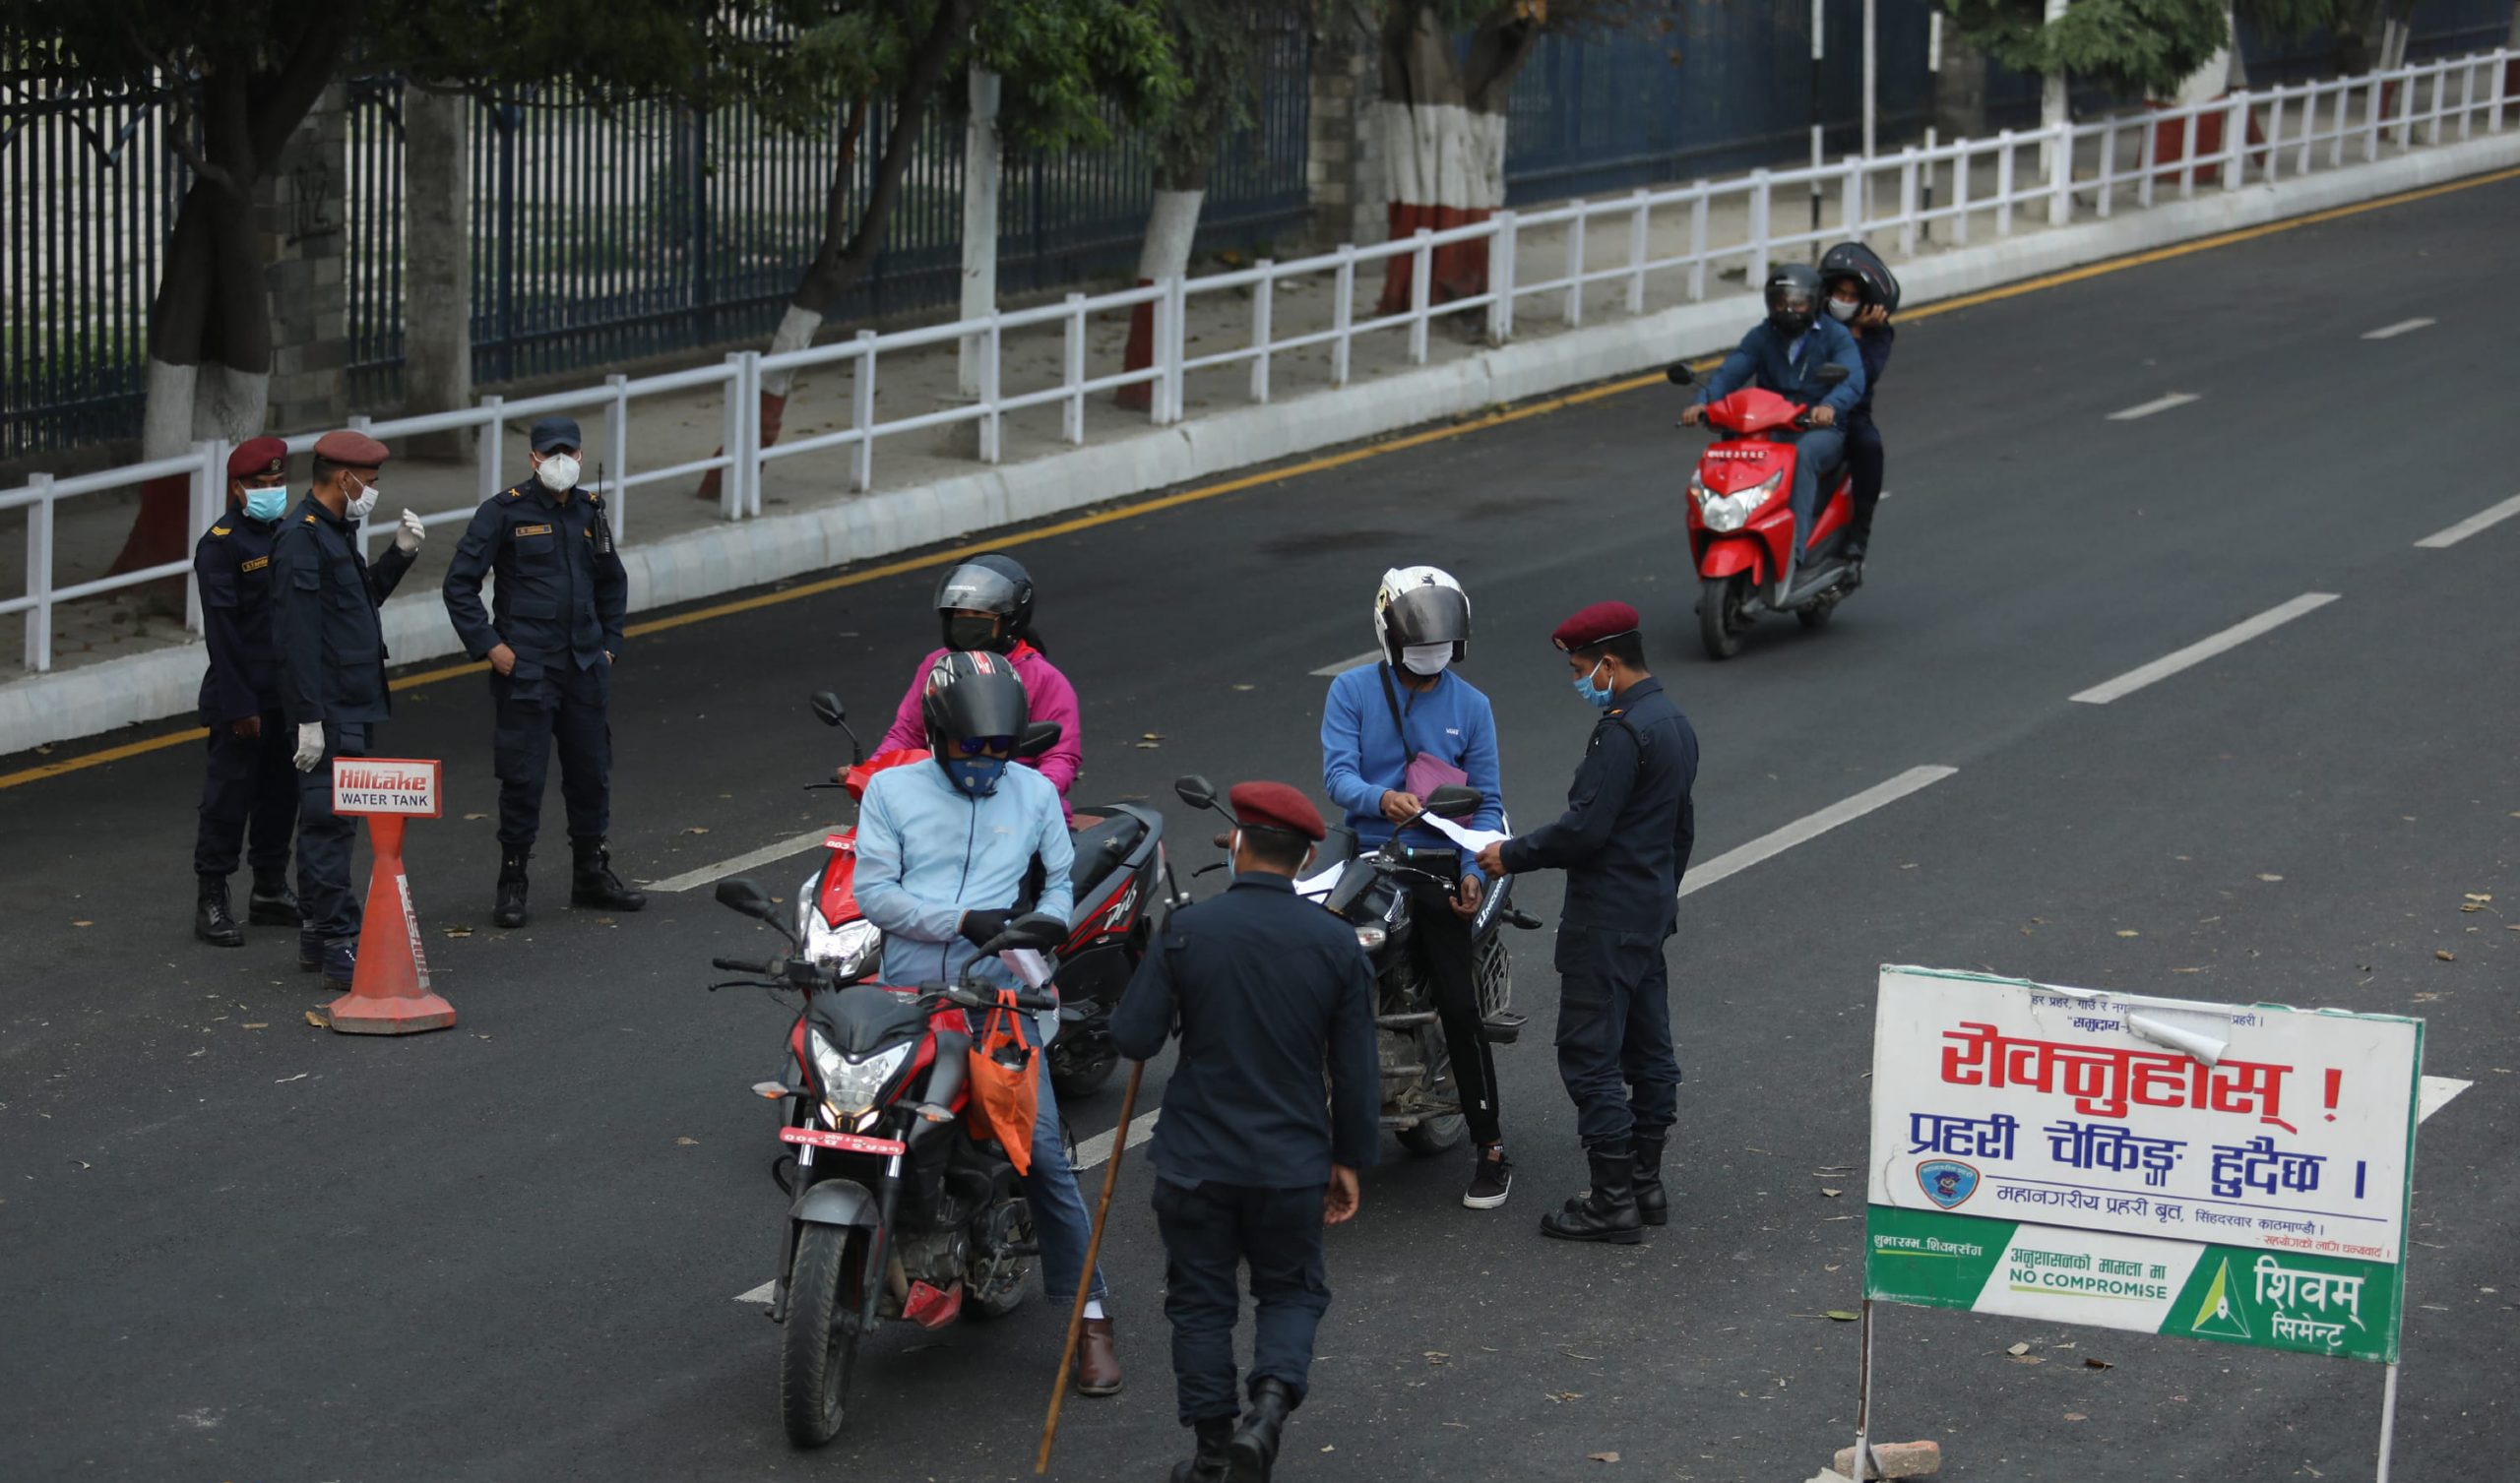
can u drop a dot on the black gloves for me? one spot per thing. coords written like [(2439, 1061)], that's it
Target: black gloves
[(979, 927)]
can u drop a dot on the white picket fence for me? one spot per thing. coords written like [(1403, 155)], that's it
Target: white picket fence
[(1875, 196)]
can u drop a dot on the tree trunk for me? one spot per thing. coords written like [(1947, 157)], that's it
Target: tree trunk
[(1170, 227), (1443, 130), (1958, 87), (437, 216)]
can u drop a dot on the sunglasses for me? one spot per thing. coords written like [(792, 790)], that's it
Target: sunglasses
[(984, 746)]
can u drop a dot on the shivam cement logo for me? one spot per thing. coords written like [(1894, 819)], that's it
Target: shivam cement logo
[(2220, 1315)]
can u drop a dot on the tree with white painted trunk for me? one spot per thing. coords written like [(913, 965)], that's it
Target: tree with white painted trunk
[(2141, 46), (895, 65)]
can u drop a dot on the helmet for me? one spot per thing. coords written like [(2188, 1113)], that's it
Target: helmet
[(972, 695), (1418, 606), (1873, 276), (990, 583), (1793, 295)]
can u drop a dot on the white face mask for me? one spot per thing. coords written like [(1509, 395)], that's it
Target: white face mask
[(558, 472), (357, 508), (1841, 311), (1425, 659)]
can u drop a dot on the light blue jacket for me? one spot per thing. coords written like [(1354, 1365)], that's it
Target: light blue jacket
[(927, 853)]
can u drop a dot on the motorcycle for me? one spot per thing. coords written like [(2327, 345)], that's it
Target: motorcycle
[(1421, 1101), (895, 1210), (1120, 873), (1740, 519)]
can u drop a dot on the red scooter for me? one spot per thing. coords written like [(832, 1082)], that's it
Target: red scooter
[(1742, 527)]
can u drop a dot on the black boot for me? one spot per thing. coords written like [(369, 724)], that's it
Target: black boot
[(1209, 1464), (1254, 1447), (212, 922), (273, 903), (592, 882), (1608, 1211), (1653, 1206), (510, 912)]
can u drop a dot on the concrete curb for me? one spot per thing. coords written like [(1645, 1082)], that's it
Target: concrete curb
[(97, 698)]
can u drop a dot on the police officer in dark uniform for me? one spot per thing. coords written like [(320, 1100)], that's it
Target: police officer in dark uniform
[(1266, 988), (249, 777), (1623, 843), (550, 636), (332, 652)]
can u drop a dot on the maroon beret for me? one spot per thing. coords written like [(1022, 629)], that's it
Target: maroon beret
[(353, 450), (1602, 620), (1274, 805), (256, 456)]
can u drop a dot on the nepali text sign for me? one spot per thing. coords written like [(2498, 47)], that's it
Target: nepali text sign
[(2165, 1165), (385, 786)]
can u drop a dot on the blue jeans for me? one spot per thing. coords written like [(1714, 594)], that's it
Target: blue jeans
[(1814, 451), (1060, 1222)]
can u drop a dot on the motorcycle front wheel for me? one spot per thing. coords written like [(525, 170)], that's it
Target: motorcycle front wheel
[(1719, 614), (1436, 1135), (818, 1347), (1079, 1069)]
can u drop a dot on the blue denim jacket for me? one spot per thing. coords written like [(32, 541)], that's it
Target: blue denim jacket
[(927, 854)]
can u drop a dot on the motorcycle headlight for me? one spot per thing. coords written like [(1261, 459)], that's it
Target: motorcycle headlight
[(852, 1085), (847, 950), (1726, 513), (1372, 938)]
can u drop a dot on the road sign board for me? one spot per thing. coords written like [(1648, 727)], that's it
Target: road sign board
[(385, 786)]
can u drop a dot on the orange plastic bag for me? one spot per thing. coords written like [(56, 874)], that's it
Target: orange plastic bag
[(1004, 1096)]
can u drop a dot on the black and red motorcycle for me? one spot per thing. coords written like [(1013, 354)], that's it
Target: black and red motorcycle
[(896, 1209)]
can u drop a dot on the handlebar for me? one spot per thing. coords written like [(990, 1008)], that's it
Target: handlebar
[(738, 965), (795, 974)]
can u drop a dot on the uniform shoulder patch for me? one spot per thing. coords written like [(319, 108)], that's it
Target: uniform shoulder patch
[(516, 493), (311, 520), (218, 530)]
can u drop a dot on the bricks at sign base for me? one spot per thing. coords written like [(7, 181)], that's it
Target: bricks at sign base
[(1892, 1460)]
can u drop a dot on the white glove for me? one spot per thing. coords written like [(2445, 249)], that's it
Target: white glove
[(310, 747), (408, 538)]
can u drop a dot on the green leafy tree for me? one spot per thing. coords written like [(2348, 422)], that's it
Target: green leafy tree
[(2143, 46)]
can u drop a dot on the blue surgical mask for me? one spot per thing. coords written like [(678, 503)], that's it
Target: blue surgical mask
[(978, 776), (267, 504), (1599, 700)]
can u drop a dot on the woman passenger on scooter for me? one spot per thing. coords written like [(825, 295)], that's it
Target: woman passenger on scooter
[(1861, 296), (986, 604)]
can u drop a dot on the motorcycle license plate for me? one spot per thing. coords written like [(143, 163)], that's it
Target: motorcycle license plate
[(845, 1143)]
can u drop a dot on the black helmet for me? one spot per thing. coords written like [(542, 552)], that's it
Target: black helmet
[(990, 583), (1873, 276), (972, 695), (1793, 296)]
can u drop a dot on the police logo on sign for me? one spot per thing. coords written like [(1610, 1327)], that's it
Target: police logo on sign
[(1947, 1184)]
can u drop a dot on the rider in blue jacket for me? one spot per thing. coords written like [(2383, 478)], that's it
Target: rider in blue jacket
[(1784, 353)]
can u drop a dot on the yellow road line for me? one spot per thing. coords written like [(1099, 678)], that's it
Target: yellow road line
[(1328, 461)]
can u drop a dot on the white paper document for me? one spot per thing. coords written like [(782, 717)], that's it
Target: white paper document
[(1471, 839)]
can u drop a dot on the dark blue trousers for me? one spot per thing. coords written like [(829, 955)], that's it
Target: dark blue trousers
[(249, 781), (328, 902), (1209, 1229), (539, 705), (1614, 1034), (1867, 461)]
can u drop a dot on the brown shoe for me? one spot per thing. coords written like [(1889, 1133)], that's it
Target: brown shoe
[(1098, 1361)]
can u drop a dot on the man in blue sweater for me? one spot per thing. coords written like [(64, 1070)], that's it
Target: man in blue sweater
[(1409, 713), (1784, 353), (942, 853)]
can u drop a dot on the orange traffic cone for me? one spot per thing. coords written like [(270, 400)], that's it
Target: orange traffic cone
[(389, 986)]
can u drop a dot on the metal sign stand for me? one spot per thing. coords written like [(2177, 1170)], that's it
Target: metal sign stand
[(2388, 1418), (1864, 1395)]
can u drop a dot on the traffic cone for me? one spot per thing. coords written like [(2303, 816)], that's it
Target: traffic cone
[(389, 986)]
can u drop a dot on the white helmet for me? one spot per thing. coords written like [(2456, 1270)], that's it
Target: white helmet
[(1419, 607)]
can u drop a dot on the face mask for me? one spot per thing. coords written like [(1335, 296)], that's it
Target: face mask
[(966, 633), (1599, 700), (1842, 311), (366, 501), (558, 474), (1425, 659), (976, 776), (267, 504)]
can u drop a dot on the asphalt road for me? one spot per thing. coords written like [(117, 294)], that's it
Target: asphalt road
[(238, 1247)]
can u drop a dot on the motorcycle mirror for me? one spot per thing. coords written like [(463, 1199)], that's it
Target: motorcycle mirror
[(1453, 801), (1195, 791), (1830, 375), (740, 894), (1678, 373), (1038, 738), (828, 706)]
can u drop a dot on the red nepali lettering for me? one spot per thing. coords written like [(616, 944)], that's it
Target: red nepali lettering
[(2106, 1081)]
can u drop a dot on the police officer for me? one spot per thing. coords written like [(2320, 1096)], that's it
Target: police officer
[(551, 635), (332, 654), (249, 777), (1251, 1162), (1623, 843)]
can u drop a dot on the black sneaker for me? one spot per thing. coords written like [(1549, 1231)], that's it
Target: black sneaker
[(1491, 1180)]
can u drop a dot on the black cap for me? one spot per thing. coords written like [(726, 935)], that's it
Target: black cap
[(555, 432)]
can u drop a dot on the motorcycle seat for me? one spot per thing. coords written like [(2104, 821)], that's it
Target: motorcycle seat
[(1101, 847)]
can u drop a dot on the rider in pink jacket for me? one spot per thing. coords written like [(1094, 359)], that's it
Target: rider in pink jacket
[(987, 604)]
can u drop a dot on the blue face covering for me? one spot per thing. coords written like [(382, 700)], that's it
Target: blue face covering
[(267, 504), (1599, 700), (976, 775)]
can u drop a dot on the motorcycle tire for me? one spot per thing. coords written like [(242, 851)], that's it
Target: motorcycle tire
[(992, 1290), (1436, 1135), (1081, 1070), (1719, 614), (818, 1346)]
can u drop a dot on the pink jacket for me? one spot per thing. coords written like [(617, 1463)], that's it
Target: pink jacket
[(1050, 698)]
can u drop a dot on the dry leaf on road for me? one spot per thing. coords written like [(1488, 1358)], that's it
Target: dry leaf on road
[(2129, 932), (2445, 954), (1841, 1315), (1601, 1457), (2098, 1364), (2018, 1349), (686, 1143), (318, 1020)]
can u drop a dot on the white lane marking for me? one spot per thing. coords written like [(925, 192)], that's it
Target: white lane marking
[(2392, 332), (1811, 827), (765, 855), (2489, 515), (1333, 672), (2157, 405), (2197, 654), (1089, 1155), (2433, 1093)]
